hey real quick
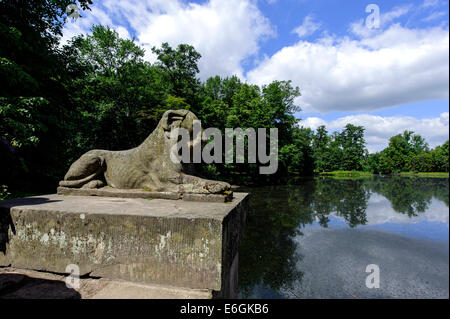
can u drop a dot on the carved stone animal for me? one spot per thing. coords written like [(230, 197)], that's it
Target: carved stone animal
[(147, 166)]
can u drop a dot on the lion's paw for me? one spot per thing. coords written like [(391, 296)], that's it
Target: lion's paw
[(217, 187)]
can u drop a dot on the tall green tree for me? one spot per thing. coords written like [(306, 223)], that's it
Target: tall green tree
[(320, 146), (119, 97), (33, 100), (180, 68), (335, 152), (339, 151), (398, 156), (440, 158), (353, 147), (229, 103)]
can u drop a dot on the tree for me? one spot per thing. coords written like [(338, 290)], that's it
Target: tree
[(422, 162), (296, 158), (180, 69), (229, 103), (279, 107), (33, 100), (339, 151), (440, 157), (119, 96), (353, 147), (402, 148), (320, 146), (373, 163), (335, 153), (409, 196)]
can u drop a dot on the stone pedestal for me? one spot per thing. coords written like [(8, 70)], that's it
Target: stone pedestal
[(174, 243)]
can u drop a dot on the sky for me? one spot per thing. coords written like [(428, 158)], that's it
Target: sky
[(380, 64)]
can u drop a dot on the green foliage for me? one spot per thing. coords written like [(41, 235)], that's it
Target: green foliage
[(339, 151), (33, 100), (425, 174), (346, 151), (229, 103), (97, 91), (320, 146), (407, 196), (353, 147), (4, 194), (296, 157), (118, 96), (179, 69), (422, 162), (21, 120), (409, 152), (440, 158), (346, 174)]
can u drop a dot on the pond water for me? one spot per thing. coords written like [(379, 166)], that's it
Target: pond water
[(315, 239)]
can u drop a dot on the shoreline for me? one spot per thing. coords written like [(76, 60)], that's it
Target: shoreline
[(368, 174)]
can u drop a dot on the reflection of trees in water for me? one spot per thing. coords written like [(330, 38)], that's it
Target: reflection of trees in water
[(347, 198), (410, 196), (267, 256), (268, 252), (441, 192)]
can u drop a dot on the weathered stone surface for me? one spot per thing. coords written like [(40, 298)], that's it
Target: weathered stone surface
[(138, 193), (148, 166), (169, 242)]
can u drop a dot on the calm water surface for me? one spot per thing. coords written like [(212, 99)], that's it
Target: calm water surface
[(315, 239)]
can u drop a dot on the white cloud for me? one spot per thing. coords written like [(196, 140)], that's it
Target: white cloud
[(308, 27), (224, 32), (379, 129), (379, 68), (360, 29), (434, 15), (396, 66), (395, 13), (430, 3), (380, 212), (84, 24), (123, 32)]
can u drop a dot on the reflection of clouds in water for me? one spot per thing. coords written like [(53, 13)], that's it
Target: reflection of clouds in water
[(380, 211), (334, 263), (331, 261)]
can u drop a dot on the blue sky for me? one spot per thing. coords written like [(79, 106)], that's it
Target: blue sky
[(389, 78), (335, 16)]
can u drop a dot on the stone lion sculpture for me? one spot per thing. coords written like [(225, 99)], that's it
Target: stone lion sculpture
[(147, 166)]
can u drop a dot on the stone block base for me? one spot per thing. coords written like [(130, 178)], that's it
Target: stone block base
[(173, 243)]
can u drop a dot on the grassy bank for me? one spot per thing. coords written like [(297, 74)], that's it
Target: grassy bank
[(338, 174), (346, 174), (427, 174)]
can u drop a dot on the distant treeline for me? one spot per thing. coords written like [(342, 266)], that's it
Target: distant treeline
[(57, 102), (406, 152)]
